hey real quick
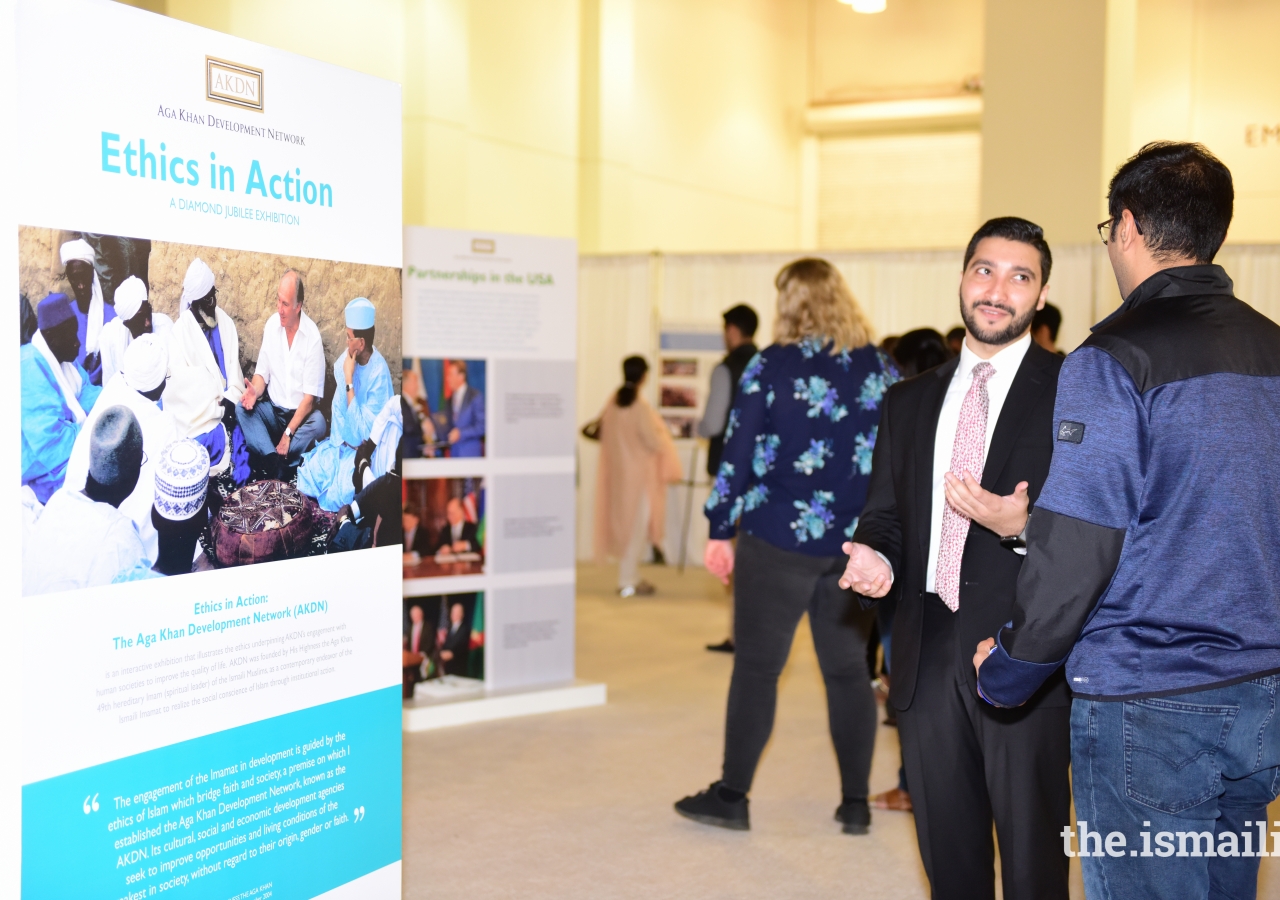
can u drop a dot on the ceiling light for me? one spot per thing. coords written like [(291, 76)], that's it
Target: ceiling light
[(865, 6)]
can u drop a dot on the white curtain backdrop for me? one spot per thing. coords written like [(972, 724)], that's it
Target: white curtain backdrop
[(625, 302)]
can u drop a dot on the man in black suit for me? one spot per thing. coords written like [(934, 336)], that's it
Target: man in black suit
[(961, 452), (458, 535), (455, 641)]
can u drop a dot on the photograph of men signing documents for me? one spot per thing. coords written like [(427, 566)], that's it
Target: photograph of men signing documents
[(187, 408), (444, 527), (443, 408)]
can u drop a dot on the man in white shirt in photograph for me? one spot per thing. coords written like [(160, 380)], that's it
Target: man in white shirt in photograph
[(278, 410)]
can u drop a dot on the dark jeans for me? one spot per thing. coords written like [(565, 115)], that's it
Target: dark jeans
[(264, 426), (772, 589), (1180, 779)]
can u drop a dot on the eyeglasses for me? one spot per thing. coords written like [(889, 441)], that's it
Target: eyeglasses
[(1104, 229)]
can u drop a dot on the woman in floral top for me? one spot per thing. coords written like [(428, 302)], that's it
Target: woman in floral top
[(792, 482)]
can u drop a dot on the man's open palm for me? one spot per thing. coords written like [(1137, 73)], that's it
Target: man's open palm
[(1005, 515), (866, 572)]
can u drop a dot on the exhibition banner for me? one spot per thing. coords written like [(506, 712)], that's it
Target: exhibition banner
[(207, 426), (489, 393)]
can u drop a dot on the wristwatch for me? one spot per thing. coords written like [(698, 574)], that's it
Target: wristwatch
[(350, 389), (1017, 542), (288, 432)]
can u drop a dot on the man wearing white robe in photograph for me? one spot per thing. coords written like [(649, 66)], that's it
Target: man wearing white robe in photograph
[(92, 312), (146, 367), (207, 382), (56, 397), (364, 387), (134, 318), (81, 538)]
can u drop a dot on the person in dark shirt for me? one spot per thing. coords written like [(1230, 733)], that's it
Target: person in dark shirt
[(457, 535), (791, 484), (1045, 326), (740, 323)]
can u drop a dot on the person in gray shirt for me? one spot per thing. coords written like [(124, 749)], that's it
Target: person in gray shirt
[(740, 324)]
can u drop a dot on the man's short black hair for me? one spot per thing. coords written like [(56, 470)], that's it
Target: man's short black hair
[(743, 318), (1012, 228), (1180, 195), (1050, 316), (366, 334)]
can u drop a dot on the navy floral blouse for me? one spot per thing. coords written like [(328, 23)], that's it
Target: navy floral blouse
[(797, 450)]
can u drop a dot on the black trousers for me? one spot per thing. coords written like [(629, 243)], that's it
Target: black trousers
[(968, 763), (772, 589)]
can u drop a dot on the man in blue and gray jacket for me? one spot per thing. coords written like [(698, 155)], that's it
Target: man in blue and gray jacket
[(1153, 554)]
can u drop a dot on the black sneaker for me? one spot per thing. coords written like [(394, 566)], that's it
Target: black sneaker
[(725, 646), (710, 808), (855, 815)]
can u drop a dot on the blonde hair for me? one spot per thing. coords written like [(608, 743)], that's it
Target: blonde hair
[(814, 301)]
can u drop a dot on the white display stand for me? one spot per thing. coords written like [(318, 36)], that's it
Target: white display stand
[(428, 714), (506, 306)]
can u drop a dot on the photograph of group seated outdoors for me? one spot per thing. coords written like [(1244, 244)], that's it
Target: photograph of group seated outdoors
[(189, 408)]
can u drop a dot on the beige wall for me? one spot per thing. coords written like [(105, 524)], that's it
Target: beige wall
[(691, 124), (913, 48), (1042, 123), (677, 125), (1208, 70), (615, 121)]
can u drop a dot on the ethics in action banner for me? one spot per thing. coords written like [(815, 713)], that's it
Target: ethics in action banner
[(207, 421)]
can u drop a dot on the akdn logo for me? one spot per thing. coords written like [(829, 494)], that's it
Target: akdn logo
[(233, 84)]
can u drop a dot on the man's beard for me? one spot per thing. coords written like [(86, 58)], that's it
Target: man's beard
[(205, 316), (1006, 335)]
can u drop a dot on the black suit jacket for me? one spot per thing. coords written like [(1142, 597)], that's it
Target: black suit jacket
[(898, 512), (444, 540)]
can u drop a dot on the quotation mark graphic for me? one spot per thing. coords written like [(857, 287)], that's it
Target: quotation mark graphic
[(358, 813), (90, 805)]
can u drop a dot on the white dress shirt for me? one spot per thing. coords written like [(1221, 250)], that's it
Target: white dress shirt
[(1006, 364), (291, 371)]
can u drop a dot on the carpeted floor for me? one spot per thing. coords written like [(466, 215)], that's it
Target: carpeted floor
[(578, 804)]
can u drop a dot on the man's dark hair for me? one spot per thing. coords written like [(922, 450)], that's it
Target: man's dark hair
[(366, 334), (1180, 195), (920, 350), (1013, 228), (743, 318), (957, 333), (1050, 316)]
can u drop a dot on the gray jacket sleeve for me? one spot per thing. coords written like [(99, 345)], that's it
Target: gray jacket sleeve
[(716, 414)]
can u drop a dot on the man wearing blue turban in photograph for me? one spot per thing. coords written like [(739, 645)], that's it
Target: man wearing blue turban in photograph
[(364, 387), (56, 396)]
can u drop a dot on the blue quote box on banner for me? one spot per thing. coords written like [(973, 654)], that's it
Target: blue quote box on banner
[(286, 809)]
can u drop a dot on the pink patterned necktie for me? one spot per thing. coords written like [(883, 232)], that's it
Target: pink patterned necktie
[(966, 455)]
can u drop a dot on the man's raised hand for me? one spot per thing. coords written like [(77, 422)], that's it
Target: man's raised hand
[(1006, 516), (249, 397), (866, 572)]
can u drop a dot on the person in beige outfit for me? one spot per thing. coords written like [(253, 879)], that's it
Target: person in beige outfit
[(637, 461)]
